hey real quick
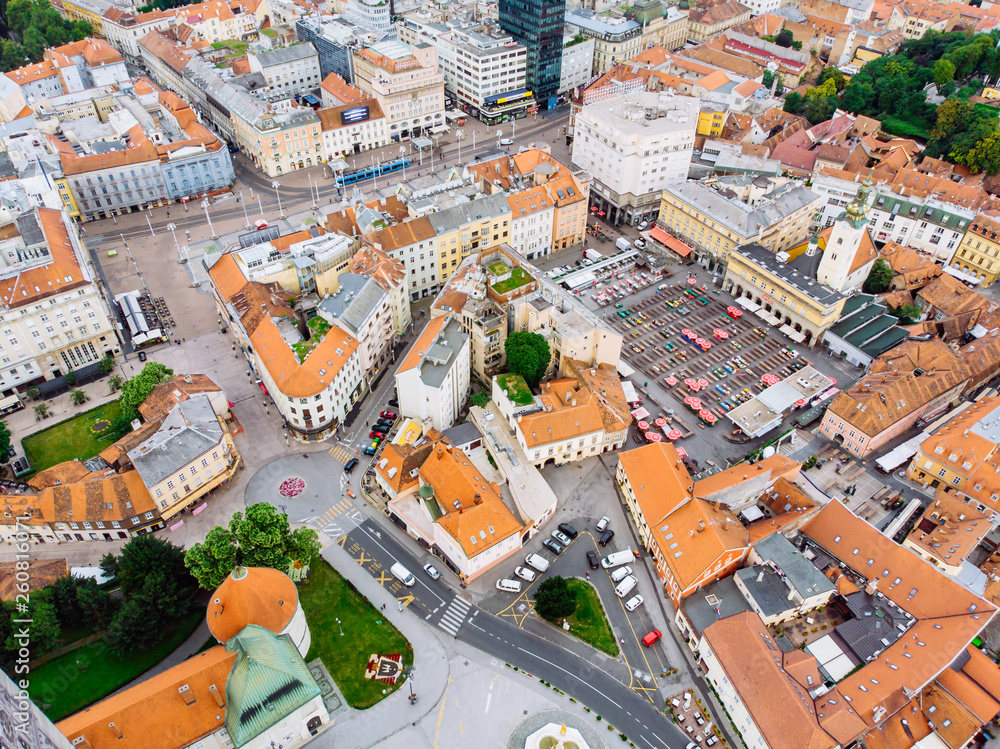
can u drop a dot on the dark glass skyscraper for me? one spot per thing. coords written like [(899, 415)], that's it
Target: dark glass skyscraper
[(538, 25)]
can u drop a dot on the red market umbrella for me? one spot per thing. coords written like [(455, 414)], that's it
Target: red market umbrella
[(692, 281), (693, 403), (686, 332), (691, 383), (681, 452), (674, 434), (671, 381), (661, 422), (703, 383), (593, 208), (833, 380), (653, 437), (799, 403), (643, 426), (600, 213)]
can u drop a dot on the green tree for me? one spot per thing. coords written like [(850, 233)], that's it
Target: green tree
[(261, 538), (528, 355), (879, 278), (41, 411), (66, 601), (115, 382), (44, 628), (554, 599), (71, 378), (4, 443), (944, 72), (784, 38), (109, 565), (96, 605), (908, 314), (832, 73), (479, 400), (78, 397), (794, 103), (33, 393), (107, 364), (138, 388), (130, 630), (7, 654), (819, 109)]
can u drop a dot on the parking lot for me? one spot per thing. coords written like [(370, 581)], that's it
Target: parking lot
[(709, 360)]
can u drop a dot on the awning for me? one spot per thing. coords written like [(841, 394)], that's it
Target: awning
[(748, 304), (797, 337), (772, 320), (670, 242), (440, 129), (761, 313), (962, 275), (629, 389), (787, 330), (509, 97)]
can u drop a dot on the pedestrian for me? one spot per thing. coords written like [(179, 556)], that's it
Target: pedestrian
[(383, 607)]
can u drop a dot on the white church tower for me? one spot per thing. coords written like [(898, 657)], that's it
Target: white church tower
[(847, 236)]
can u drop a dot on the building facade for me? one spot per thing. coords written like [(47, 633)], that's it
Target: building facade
[(978, 254), (486, 75), (432, 382), (288, 71), (538, 25)]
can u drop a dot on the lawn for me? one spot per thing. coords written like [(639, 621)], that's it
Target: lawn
[(517, 389), (588, 621), (498, 267), (518, 277), (328, 597), (73, 438), (912, 127), (77, 679)]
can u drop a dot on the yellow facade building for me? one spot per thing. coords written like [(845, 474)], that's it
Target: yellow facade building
[(978, 254)]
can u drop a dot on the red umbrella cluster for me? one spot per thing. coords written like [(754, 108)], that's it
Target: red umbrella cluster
[(734, 312), (702, 344), (720, 334), (769, 379), (693, 384), (653, 437), (674, 434), (707, 416), (693, 403)]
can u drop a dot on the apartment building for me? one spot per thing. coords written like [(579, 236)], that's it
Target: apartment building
[(414, 244), (468, 228), (775, 214), (707, 21), (432, 381), (964, 448), (663, 26), (314, 375), (948, 532), (577, 63), (279, 138), (485, 72), (71, 68), (189, 455), (123, 29), (334, 40), (616, 37), (532, 213), (693, 541), (977, 253), (925, 224), (391, 276), (364, 309), (375, 16), (90, 11), (54, 316), (577, 416), (915, 380), (287, 71), (635, 146), (219, 20), (407, 84), (352, 128)]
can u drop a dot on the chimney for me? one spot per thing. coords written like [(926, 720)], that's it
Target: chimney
[(760, 576), (219, 700), (188, 379), (187, 694), (115, 730)]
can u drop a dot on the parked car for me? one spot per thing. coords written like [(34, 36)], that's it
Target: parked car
[(525, 573), (592, 559), (260, 224), (602, 524), (376, 433), (569, 530), (561, 537), (369, 450), (620, 574), (652, 637), (432, 572), (606, 537), (506, 142), (142, 356), (552, 546), (394, 402), (388, 415), (633, 603), (350, 465), (643, 225), (639, 244), (383, 425)]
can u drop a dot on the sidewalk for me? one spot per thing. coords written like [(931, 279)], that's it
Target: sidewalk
[(362, 728)]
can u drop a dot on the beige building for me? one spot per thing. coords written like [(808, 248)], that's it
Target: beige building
[(189, 455), (350, 128), (706, 22), (978, 254), (279, 141), (407, 84)]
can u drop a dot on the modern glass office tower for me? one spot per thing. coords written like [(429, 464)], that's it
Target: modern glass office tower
[(538, 25)]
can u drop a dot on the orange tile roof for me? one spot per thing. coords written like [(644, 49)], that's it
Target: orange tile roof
[(774, 467), (342, 90), (402, 234), (176, 390), (476, 516), (41, 574), (399, 462), (949, 529), (983, 670), (714, 80), (570, 411), (763, 677), (955, 444), (251, 595), (114, 497), (386, 271), (61, 273), (979, 702), (954, 723), (423, 343), (179, 723), (527, 202)]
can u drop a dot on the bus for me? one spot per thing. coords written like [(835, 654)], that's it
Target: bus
[(824, 396), (373, 170)]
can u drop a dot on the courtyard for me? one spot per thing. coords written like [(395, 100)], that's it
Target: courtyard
[(82, 437)]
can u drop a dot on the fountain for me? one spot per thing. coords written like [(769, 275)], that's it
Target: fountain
[(553, 736)]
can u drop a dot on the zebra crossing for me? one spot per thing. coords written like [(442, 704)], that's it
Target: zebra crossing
[(454, 615)]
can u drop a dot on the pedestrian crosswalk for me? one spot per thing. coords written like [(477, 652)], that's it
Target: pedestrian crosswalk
[(454, 615), (341, 453)]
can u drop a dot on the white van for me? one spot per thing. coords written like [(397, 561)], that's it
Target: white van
[(623, 244), (509, 586), (540, 563), (402, 574), (625, 586), (617, 559), (620, 574)]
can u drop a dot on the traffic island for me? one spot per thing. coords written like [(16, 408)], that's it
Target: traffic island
[(588, 621)]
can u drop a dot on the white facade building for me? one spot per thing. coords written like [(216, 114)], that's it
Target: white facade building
[(577, 63), (478, 68), (634, 146), (532, 212), (432, 382), (52, 312), (924, 224), (350, 129), (373, 15), (364, 309), (289, 71)]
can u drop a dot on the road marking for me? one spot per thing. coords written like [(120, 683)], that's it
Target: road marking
[(421, 582), (454, 615), (382, 578), (554, 665), (444, 699), (406, 600), (362, 560)]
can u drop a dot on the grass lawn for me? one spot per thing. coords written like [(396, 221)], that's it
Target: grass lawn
[(517, 389), (588, 621), (498, 267), (518, 277), (73, 438), (328, 597), (61, 687), (913, 128)]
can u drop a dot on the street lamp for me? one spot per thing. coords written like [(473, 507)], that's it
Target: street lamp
[(150, 225), (402, 157), (246, 216), (459, 136), (341, 627), (204, 204), (281, 213)]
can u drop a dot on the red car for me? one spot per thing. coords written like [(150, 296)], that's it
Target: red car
[(388, 414), (375, 434), (652, 637)]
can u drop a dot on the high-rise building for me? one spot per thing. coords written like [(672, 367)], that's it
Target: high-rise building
[(538, 25)]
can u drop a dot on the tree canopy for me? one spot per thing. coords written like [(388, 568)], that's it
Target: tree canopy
[(32, 26), (138, 388), (879, 278), (554, 599), (528, 355), (261, 538)]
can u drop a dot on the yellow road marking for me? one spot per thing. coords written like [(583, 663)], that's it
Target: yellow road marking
[(444, 699), (406, 600), (383, 578), (363, 559)]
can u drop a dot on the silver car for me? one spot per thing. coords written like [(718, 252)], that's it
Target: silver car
[(561, 537), (633, 603), (525, 573)]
